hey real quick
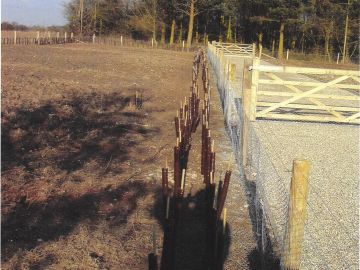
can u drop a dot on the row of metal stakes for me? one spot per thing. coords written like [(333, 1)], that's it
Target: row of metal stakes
[(186, 122)]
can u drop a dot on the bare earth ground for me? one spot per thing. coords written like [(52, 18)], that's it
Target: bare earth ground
[(81, 169)]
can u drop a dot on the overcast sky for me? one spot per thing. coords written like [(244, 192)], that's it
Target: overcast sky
[(33, 12)]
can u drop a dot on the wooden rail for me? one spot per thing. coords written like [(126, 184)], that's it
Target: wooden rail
[(235, 49), (277, 94)]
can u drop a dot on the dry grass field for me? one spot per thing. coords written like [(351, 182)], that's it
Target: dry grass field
[(79, 165)]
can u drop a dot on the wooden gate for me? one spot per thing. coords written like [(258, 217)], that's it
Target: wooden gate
[(235, 49), (304, 94)]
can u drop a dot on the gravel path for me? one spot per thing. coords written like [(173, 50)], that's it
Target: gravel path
[(331, 230), (332, 226)]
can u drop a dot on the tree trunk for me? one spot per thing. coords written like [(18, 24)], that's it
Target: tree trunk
[(163, 29), (205, 39), (229, 34), (293, 43), (303, 43), (81, 16), (260, 38), (345, 49), (328, 31), (326, 48), (281, 40), (95, 14), (235, 32), (154, 19), (191, 23), (180, 33), (101, 26), (196, 37), (273, 47), (172, 33)]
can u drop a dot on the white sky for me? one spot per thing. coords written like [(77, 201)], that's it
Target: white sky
[(33, 12)]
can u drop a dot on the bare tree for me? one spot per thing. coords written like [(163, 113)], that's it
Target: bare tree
[(81, 14), (193, 8)]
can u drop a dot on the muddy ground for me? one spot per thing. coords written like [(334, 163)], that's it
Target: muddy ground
[(81, 164)]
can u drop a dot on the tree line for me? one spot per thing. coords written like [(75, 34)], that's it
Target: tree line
[(311, 26), (14, 26)]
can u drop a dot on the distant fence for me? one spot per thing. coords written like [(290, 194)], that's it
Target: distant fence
[(35, 38), (120, 41), (318, 57), (48, 38), (35, 41)]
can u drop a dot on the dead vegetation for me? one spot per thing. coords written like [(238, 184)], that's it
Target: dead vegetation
[(79, 159)]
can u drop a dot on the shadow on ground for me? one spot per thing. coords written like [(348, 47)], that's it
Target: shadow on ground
[(69, 142), (191, 240), (71, 132), (30, 224), (264, 257)]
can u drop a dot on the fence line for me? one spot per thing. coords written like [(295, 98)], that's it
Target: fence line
[(186, 121), (47, 38), (312, 56), (120, 41), (254, 165)]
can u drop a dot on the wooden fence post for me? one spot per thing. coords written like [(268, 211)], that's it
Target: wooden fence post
[(57, 36), (232, 72), (337, 59), (121, 40), (14, 37), (260, 51), (65, 37), (254, 88), (287, 54), (253, 50), (227, 70), (38, 37), (222, 66), (72, 36), (246, 95), (297, 214), (93, 38)]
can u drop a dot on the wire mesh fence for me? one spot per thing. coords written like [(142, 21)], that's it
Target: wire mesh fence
[(330, 241)]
